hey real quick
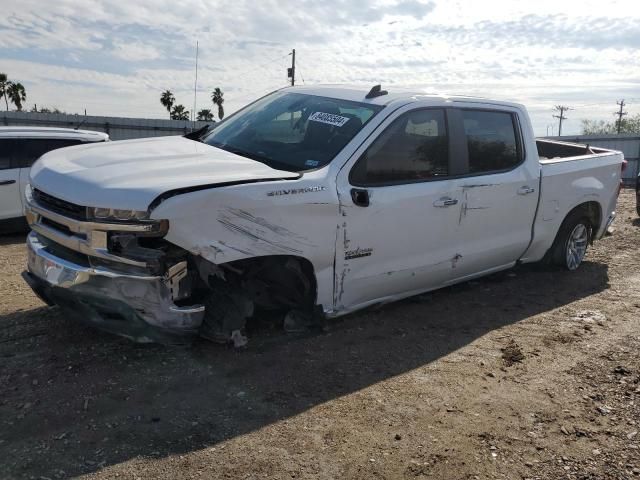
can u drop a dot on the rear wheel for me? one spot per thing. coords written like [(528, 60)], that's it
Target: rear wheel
[(570, 246)]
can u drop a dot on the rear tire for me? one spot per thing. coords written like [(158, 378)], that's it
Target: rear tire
[(570, 246)]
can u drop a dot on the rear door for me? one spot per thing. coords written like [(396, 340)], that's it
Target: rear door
[(10, 202), (499, 192), (399, 212)]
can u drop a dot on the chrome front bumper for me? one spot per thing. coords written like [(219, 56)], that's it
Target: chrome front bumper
[(135, 306)]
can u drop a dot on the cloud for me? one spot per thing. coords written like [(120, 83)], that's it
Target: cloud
[(116, 57), (545, 30), (134, 51), (411, 8)]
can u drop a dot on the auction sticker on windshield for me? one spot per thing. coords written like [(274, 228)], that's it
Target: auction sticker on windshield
[(329, 118)]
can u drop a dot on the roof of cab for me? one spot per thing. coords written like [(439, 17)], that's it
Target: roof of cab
[(50, 132), (358, 93)]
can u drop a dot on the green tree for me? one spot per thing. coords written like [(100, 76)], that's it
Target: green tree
[(217, 99), (4, 83), (596, 127), (167, 100), (205, 115), (600, 127), (179, 113), (17, 94)]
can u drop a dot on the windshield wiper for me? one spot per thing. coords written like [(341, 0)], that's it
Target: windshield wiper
[(253, 156), (199, 134)]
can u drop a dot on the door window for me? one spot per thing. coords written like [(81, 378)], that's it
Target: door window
[(491, 140), (28, 150), (5, 153), (414, 148)]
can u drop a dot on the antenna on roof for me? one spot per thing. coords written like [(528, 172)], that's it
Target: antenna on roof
[(376, 91)]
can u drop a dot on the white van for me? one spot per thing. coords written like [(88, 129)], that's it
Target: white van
[(20, 147)]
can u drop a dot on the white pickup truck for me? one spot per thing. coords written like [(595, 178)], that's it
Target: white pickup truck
[(311, 202)]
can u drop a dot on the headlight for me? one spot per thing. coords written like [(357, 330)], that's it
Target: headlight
[(111, 214), (28, 193)]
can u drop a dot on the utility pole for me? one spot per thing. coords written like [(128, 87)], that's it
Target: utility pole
[(561, 117), (195, 88), (620, 114), (291, 72)]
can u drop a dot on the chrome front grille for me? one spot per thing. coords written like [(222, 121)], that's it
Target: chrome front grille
[(82, 236), (60, 206)]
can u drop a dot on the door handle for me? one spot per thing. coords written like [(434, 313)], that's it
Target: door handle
[(445, 202), (360, 197), (526, 190), (7, 182)]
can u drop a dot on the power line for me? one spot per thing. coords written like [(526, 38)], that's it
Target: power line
[(263, 91), (590, 105), (273, 60), (300, 72), (620, 114), (243, 73), (627, 101), (561, 109)]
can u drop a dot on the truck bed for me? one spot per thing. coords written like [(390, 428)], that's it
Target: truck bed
[(554, 150), (572, 174)]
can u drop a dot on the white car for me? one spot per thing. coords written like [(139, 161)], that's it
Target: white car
[(312, 201), (20, 147)]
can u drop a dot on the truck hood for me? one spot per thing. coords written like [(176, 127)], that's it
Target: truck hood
[(130, 174)]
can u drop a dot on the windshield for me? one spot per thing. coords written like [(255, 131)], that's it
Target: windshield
[(292, 131)]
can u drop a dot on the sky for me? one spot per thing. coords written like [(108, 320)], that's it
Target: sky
[(117, 57)]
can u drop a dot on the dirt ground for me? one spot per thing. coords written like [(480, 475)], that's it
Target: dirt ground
[(527, 374)]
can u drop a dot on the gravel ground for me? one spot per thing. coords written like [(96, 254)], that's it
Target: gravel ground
[(526, 374)]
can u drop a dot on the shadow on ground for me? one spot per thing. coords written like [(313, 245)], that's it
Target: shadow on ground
[(12, 238), (13, 229), (74, 400)]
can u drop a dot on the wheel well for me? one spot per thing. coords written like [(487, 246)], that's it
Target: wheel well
[(592, 211), (275, 281)]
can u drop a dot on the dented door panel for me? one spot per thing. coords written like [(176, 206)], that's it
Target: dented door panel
[(400, 243), (494, 221)]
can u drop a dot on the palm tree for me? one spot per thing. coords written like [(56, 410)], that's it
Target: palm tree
[(216, 98), (205, 115), (17, 94), (179, 113), (3, 88), (167, 100)]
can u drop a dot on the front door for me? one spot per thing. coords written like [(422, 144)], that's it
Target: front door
[(399, 212), (10, 201)]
